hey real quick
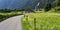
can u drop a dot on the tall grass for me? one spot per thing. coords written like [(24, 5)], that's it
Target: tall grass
[(5, 15), (44, 21)]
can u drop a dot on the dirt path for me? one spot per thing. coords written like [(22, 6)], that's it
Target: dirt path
[(13, 23)]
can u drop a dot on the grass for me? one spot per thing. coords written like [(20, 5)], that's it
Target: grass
[(44, 21), (5, 15)]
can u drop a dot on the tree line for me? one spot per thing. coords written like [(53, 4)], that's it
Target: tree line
[(48, 6)]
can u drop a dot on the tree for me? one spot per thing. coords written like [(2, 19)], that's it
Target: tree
[(47, 7), (58, 2)]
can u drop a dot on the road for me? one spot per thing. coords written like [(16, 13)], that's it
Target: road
[(13, 23)]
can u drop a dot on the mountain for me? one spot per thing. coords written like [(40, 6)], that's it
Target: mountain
[(12, 3), (19, 4), (34, 3)]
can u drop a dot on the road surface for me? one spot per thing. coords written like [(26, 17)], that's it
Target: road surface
[(13, 23)]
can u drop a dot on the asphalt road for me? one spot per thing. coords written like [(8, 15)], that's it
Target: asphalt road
[(13, 23)]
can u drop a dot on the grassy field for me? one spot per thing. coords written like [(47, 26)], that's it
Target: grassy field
[(44, 21), (5, 15)]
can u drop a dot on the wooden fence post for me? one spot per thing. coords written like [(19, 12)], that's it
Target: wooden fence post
[(27, 18), (34, 23)]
